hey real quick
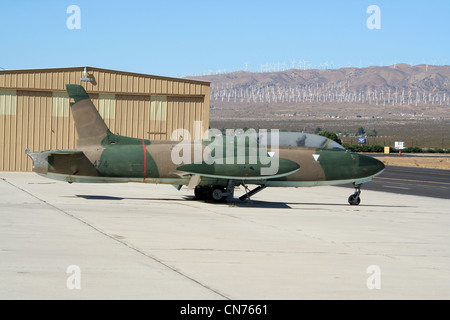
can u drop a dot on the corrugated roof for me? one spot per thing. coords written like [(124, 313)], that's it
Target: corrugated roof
[(89, 69)]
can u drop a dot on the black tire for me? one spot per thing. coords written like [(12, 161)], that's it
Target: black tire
[(354, 200), (201, 193)]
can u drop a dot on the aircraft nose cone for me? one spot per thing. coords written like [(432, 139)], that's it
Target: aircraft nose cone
[(369, 166), (380, 165)]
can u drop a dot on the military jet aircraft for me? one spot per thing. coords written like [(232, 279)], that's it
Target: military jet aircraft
[(212, 167)]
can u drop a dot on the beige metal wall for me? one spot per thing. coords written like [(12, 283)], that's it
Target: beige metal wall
[(34, 108)]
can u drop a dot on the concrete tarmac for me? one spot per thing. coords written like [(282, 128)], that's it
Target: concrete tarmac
[(413, 181), (135, 241)]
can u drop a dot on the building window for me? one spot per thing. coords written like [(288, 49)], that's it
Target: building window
[(8, 102), (60, 104), (107, 105), (158, 110)]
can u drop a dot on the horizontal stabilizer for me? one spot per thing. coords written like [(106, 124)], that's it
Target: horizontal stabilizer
[(74, 163), (63, 162)]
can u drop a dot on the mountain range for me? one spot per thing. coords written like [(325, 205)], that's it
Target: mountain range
[(420, 90), (423, 77), (400, 102)]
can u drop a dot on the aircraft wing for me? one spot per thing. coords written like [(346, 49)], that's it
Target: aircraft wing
[(239, 171)]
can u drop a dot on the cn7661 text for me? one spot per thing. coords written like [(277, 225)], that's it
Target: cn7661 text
[(245, 309)]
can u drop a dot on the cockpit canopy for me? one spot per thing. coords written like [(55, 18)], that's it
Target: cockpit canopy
[(287, 139), (298, 139)]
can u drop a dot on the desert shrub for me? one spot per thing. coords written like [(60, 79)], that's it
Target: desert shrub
[(412, 150)]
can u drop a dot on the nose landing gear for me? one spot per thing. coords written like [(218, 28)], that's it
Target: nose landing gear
[(354, 199)]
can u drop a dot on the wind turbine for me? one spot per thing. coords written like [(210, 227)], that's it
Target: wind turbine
[(304, 64)]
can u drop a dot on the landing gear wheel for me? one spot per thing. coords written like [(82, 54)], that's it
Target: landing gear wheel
[(217, 194), (201, 193), (354, 200)]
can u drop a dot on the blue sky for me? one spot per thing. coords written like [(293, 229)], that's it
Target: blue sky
[(176, 38)]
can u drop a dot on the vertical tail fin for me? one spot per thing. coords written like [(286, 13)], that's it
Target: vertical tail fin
[(89, 124)]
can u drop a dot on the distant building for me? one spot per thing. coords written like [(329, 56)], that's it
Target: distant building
[(34, 108), (362, 140)]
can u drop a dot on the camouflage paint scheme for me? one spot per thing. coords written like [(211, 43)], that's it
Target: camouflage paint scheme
[(102, 156)]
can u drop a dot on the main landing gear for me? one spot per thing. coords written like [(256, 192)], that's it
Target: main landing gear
[(354, 199), (215, 193), (219, 193)]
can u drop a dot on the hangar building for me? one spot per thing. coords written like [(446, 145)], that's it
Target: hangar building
[(34, 108)]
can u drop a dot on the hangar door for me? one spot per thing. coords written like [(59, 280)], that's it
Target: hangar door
[(140, 117), (156, 117)]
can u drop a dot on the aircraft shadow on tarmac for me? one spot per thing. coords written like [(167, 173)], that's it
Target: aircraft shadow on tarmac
[(111, 198), (233, 203), (286, 205), (238, 203)]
